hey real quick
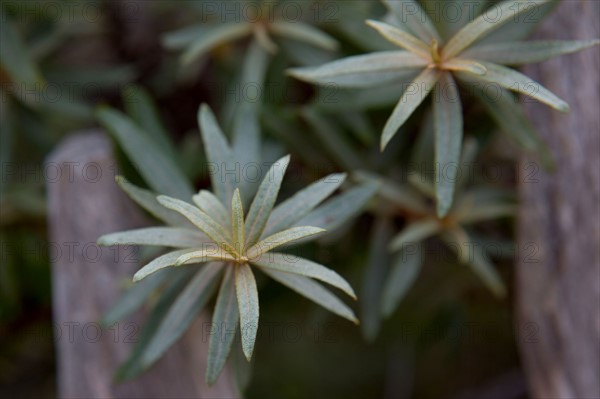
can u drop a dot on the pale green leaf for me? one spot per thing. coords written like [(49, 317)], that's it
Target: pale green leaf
[(237, 221), (405, 269), (183, 311), (210, 204), (147, 200), (218, 35), (353, 71), (222, 167), (486, 23), (181, 38), (161, 236), (448, 127), (224, 323), (156, 167), (300, 204), (264, 200), (159, 263), (247, 299), (305, 33), (261, 35), (212, 252), (281, 238), (410, 16), (516, 81), (486, 212), (461, 64), (313, 291), (204, 222), (414, 233), (519, 53), (413, 95), (401, 38), (303, 267)]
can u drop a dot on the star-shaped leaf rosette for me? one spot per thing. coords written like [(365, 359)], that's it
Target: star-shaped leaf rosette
[(437, 61), (227, 245)]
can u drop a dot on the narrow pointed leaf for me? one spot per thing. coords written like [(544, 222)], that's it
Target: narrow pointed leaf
[(400, 195), (293, 209), (305, 33), (204, 255), (263, 39), (161, 236), (281, 238), (404, 271), (414, 233), (303, 267), (516, 81), (448, 127), (487, 212), (218, 35), (205, 223), (461, 64), (401, 38), (413, 18), (247, 299), (210, 204), (519, 53), (181, 38), (414, 95), (183, 311), (156, 167), (147, 200), (484, 24), (313, 291), (356, 68), (237, 220), (224, 324), (264, 200), (159, 263)]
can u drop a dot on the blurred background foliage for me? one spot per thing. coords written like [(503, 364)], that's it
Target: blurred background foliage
[(448, 335)]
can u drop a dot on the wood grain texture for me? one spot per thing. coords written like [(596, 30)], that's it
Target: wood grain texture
[(82, 205), (559, 296)]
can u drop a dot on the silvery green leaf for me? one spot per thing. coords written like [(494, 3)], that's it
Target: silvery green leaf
[(471, 253), (293, 209), (224, 323), (516, 81), (305, 33), (210, 204), (147, 200), (161, 236), (412, 18), (213, 37), (519, 53), (313, 291), (156, 167), (339, 210), (181, 38), (362, 70), (448, 127), (183, 311), (247, 299), (462, 64), (159, 263), (414, 233), (263, 202), (142, 110), (414, 95), (484, 24), (400, 195), (401, 38), (303, 267), (246, 147), (281, 238), (237, 221), (204, 255), (405, 269), (223, 169), (261, 35), (204, 222), (486, 212)]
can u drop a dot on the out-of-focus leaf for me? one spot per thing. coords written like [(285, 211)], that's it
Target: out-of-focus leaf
[(264, 200), (487, 212), (313, 291), (404, 271), (224, 323), (414, 233), (210, 204), (261, 35), (412, 18), (414, 95), (402, 196), (359, 124), (305, 33), (247, 299), (162, 236), (213, 37), (519, 53), (181, 38), (448, 126), (157, 169), (401, 38)]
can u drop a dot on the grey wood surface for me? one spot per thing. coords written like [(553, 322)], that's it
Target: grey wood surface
[(559, 296), (83, 204)]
